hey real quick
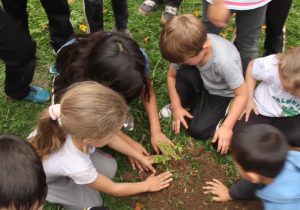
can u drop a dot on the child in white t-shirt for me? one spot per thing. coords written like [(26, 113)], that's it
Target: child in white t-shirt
[(89, 115), (276, 99)]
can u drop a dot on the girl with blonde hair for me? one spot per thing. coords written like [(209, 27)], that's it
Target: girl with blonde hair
[(67, 137), (276, 100)]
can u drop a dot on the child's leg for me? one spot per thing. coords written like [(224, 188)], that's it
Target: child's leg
[(120, 9), (289, 126), (207, 110), (253, 120), (17, 50), (276, 16), (249, 24), (72, 196), (60, 27), (66, 192), (94, 14), (104, 163)]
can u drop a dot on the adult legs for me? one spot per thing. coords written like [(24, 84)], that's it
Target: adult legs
[(17, 10), (94, 14), (276, 16), (17, 50), (60, 27), (207, 109), (248, 25), (120, 9), (173, 3)]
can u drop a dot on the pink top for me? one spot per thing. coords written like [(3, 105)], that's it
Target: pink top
[(244, 4)]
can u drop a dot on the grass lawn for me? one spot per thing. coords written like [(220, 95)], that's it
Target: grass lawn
[(19, 117)]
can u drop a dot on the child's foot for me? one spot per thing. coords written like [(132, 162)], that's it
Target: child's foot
[(166, 111), (168, 13), (37, 95), (147, 7)]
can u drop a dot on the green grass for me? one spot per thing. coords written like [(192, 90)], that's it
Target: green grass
[(19, 117)]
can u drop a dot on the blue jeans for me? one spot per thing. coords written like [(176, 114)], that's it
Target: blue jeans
[(248, 27)]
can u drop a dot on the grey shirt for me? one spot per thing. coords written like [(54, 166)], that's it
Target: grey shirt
[(223, 72)]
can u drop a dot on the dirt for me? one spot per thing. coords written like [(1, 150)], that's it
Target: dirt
[(185, 192)]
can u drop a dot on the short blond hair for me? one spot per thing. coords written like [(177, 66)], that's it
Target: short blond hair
[(182, 38), (289, 69)]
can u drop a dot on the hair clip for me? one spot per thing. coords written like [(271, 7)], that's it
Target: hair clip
[(54, 111)]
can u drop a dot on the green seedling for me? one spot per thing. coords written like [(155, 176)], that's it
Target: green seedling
[(168, 153)]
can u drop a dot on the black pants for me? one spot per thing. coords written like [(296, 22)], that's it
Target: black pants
[(94, 14), (207, 109), (173, 3), (289, 126), (58, 14), (17, 50), (276, 16)]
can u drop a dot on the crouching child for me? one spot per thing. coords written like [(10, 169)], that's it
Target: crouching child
[(269, 170)]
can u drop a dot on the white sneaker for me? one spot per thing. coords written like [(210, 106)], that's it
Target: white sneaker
[(129, 122), (166, 111)]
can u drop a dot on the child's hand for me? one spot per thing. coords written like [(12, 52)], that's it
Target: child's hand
[(135, 164), (159, 138), (178, 117), (249, 107), (146, 163), (223, 135), (159, 182), (219, 191), (219, 14)]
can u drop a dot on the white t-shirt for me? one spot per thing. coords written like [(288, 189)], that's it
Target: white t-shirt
[(270, 98), (71, 162), (243, 4)]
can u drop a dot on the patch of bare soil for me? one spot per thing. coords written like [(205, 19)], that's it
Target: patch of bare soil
[(186, 192)]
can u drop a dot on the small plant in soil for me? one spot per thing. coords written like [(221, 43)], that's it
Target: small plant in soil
[(168, 153)]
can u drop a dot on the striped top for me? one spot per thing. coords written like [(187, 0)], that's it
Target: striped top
[(244, 4)]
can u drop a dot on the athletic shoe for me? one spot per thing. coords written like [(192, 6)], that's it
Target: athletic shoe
[(168, 13), (147, 7), (37, 95), (129, 122), (53, 69), (166, 111)]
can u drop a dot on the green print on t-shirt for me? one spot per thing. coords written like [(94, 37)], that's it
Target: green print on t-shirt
[(290, 107)]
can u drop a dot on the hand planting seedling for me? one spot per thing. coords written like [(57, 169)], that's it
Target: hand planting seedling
[(168, 153)]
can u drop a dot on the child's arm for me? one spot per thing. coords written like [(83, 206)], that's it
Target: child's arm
[(224, 133), (251, 83), (218, 13), (157, 136), (178, 111), (119, 144), (134, 163), (151, 184)]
